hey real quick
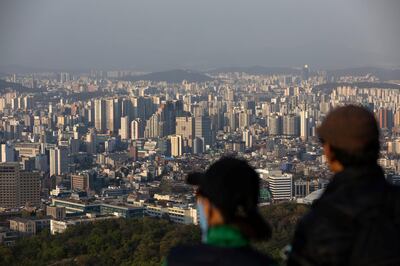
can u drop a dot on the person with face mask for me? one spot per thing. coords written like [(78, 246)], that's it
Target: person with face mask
[(227, 205)]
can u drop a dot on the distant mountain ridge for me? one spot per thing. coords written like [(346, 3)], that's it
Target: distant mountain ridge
[(259, 70), (171, 76), (383, 74), (328, 87)]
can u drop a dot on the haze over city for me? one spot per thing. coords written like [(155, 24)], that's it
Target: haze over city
[(159, 35)]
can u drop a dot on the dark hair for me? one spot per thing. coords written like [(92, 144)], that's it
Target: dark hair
[(368, 155), (243, 213), (233, 187)]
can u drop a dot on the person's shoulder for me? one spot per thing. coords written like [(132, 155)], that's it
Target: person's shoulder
[(202, 254), (185, 255), (260, 257)]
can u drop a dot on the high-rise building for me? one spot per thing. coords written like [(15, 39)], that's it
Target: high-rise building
[(124, 130), (185, 128), (305, 73), (111, 115), (396, 118), (7, 153), (154, 126), (304, 126), (18, 188), (127, 108), (275, 125), (91, 141), (385, 118), (168, 116), (291, 125), (100, 115), (176, 145), (198, 145), (30, 188), (244, 119), (202, 129), (80, 182), (248, 138), (58, 161), (137, 129), (142, 107)]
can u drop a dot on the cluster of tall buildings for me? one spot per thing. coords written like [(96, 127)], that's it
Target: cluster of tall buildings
[(129, 145)]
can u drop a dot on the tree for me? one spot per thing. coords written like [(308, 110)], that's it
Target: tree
[(144, 241)]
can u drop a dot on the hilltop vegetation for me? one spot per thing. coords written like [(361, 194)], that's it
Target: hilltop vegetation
[(133, 242)]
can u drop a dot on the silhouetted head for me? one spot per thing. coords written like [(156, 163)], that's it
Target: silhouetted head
[(350, 136), (230, 189)]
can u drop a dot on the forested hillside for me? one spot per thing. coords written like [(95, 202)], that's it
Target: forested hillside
[(132, 242)]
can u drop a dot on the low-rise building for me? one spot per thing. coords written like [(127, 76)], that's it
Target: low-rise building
[(29, 226), (57, 226), (178, 214), (7, 236)]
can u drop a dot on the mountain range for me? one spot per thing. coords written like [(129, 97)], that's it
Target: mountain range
[(171, 76)]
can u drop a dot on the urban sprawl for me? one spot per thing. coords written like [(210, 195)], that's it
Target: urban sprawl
[(83, 147)]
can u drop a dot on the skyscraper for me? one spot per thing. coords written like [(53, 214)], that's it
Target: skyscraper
[(58, 161), (291, 125), (113, 114), (203, 129), (124, 130), (137, 129), (176, 145), (304, 125), (7, 153), (275, 124), (80, 182), (91, 141), (168, 115), (154, 126), (305, 73), (247, 138), (185, 128), (244, 119), (110, 115), (100, 115), (17, 187), (385, 118), (198, 145)]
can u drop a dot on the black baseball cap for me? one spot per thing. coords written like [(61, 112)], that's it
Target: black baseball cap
[(233, 186)]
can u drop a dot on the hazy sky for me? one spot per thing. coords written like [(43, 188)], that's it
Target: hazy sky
[(199, 34)]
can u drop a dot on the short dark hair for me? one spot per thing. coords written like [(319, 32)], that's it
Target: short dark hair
[(368, 155)]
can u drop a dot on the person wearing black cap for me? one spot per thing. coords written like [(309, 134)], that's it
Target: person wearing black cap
[(356, 220), (227, 203)]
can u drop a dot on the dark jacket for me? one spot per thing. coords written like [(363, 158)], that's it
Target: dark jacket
[(331, 233), (225, 246)]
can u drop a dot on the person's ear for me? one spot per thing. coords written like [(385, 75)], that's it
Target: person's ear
[(333, 164), (213, 215), (328, 153)]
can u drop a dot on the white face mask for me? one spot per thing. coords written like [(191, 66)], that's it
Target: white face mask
[(202, 221)]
